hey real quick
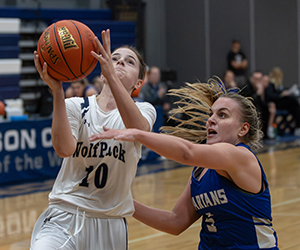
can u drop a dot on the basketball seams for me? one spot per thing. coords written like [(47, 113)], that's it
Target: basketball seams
[(49, 66), (83, 72), (89, 67), (81, 47), (60, 50)]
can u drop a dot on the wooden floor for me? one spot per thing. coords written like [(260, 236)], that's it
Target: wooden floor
[(159, 185)]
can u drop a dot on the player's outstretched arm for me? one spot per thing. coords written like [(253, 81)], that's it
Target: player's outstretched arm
[(63, 141), (173, 222), (237, 163), (129, 112), (219, 156)]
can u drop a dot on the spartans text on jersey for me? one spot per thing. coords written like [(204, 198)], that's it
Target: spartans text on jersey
[(209, 199)]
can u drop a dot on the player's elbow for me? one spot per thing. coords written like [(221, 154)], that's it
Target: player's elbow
[(143, 126), (63, 153), (178, 225), (64, 146), (176, 230)]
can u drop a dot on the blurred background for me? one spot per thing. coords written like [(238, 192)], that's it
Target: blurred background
[(183, 40), (188, 40)]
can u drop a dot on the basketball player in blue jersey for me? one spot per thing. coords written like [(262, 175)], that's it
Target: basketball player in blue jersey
[(228, 187), (91, 195)]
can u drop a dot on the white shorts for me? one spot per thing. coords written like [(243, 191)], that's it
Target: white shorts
[(58, 229)]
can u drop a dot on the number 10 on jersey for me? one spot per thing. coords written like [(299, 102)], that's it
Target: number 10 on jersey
[(100, 176)]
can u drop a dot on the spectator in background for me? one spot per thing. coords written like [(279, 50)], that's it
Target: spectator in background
[(228, 79), (81, 88), (267, 110), (237, 63), (45, 102), (275, 93), (265, 81), (276, 77), (98, 83), (154, 91)]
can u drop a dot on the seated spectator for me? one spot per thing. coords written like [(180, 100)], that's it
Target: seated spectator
[(275, 93), (276, 77), (154, 91), (267, 110), (271, 108), (81, 88), (228, 79), (98, 83)]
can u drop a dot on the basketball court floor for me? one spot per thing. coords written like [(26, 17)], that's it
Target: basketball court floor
[(159, 184)]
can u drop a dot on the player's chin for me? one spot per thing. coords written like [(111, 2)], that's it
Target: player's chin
[(121, 76), (119, 73), (212, 140)]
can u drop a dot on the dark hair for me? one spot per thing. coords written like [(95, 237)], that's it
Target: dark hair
[(235, 41), (151, 68), (256, 71), (142, 71), (227, 71), (82, 81)]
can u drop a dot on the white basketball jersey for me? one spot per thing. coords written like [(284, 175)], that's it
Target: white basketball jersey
[(98, 176)]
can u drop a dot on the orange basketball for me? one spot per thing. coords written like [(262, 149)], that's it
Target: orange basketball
[(2, 108), (66, 47)]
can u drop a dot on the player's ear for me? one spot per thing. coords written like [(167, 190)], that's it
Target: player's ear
[(139, 84), (244, 129)]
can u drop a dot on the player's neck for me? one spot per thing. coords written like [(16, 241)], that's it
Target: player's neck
[(106, 100)]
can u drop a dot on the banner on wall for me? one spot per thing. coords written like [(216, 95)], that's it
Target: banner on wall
[(26, 152)]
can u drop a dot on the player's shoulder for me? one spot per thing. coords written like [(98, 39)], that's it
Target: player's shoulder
[(234, 152), (79, 103), (145, 105), (79, 100), (74, 100)]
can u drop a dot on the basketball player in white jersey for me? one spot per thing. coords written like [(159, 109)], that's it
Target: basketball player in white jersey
[(91, 195)]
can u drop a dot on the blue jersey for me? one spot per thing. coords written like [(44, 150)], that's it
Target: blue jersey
[(231, 217)]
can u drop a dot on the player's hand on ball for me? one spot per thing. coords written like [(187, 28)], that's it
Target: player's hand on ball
[(42, 69), (104, 57), (116, 134)]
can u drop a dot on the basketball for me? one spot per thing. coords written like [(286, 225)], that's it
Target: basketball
[(2, 108), (66, 48)]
